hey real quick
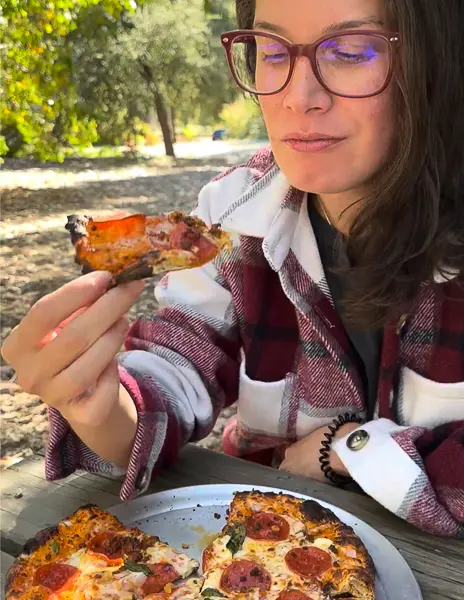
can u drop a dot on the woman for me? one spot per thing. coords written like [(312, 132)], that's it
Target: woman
[(337, 321)]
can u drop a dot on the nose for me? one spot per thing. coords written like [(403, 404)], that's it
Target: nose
[(304, 93)]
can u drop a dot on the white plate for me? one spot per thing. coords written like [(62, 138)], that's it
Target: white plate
[(194, 515)]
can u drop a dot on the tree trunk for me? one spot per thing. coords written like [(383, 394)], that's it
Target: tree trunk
[(173, 124), (164, 117), (164, 121)]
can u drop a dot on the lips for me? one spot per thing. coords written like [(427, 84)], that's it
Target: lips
[(311, 143), (311, 137)]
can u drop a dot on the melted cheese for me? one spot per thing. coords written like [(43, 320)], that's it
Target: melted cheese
[(188, 590), (184, 565), (323, 544), (312, 595), (252, 548), (101, 581), (271, 555), (88, 562)]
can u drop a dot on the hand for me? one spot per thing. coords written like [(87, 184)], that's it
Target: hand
[(64, 349), (302, 458)]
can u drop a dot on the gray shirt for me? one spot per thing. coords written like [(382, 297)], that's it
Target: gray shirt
[(365, 345)]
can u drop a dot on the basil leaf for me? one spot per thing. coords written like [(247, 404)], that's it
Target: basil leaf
[(212, 593), (237, 537), (135, 568), (55, 547)]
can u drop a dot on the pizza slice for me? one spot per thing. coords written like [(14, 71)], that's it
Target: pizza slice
[(139, 247), (278, 547), (91, 556)]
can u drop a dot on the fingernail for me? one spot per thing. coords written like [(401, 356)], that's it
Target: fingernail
[(103, 276)]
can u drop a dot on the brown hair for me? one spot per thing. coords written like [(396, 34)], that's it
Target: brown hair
[(412, 224)]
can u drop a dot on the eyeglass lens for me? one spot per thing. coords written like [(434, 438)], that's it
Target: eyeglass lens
[(351, 65)]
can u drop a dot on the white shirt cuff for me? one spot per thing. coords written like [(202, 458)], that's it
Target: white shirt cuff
[(377, 463)]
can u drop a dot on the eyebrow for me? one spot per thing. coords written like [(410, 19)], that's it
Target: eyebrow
[(334, 27)]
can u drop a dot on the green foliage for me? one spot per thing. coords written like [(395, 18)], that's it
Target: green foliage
[(166, 49), (172, 56), (77, 72), (215, 86), (243, 119), (3, 146), (190, 132), (104, 93), (38, 104)]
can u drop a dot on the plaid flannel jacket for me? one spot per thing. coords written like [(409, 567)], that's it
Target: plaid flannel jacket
[(258, 326)]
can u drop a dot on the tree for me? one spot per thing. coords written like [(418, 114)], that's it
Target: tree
[(216, 87), (105, 87), (38, 97), (77, 71), (167, 47)]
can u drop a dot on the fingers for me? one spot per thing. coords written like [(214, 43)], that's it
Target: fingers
[(53, 334), (82, 374), (46, 315), (84, 330), (64, 347)]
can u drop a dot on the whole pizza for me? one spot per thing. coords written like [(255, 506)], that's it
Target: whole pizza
[(273, 547)]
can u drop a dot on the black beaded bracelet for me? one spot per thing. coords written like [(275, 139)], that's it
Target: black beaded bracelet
[(324, 452)]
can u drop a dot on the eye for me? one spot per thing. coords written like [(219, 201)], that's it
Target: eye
[(358, 50), (275, 58), (361, 56), (272, 53)]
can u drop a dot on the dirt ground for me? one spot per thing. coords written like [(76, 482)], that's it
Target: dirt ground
[(36, 255)]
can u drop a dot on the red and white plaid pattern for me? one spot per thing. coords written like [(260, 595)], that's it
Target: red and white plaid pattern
[(258, 326)]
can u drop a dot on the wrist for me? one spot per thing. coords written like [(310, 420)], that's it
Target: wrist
[(112, 439), (119, 405), (122, 416), (126, 405), (331, 465), (335, 462)]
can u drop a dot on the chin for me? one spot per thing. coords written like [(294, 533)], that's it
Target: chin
[(318, 173), (321, 182)]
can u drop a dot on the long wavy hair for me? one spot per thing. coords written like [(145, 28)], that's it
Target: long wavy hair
[(411, 226)]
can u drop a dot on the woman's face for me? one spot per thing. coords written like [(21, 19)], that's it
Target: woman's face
[(305, 108)]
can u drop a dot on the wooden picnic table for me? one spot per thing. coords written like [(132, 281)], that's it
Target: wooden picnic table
[(30, 503)]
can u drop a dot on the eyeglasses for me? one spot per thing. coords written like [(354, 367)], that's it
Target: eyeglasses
[(352, 64)]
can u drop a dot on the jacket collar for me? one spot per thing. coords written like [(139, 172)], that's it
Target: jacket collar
[(255, 210), (271, 209)]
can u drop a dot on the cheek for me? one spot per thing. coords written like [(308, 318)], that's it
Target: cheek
[(369, 124), (376, 127), (271, 107)]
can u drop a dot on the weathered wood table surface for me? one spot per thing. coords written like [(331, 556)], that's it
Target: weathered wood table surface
[(30, 503)]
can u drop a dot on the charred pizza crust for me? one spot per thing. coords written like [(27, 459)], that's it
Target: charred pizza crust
[(139, 246), (54, 543), (127, 552), (277, 533)]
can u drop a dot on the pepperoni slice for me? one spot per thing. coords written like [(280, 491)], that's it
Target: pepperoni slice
[(308, 561), (114, 546), (109, 544), (206, 249), (245, 575), (55, 576), (183, 236), (293, 596), (163, 573), (267, 526)]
